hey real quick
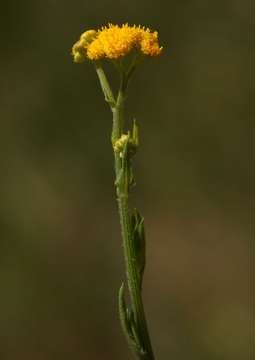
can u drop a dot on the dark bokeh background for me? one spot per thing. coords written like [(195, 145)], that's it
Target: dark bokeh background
[(61, 258)]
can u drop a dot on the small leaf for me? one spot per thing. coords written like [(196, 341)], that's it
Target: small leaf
[(137, 223), (122, 180), (119, 180), (135, 333), (135, 137), (134, 329), (123, 311), (126, 319), (131, 178)]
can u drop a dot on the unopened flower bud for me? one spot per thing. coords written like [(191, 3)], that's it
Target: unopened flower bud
[(119, 145), (88, 36), (79, 49)]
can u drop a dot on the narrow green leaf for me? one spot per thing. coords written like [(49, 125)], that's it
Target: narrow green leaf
[(119, 180), (131, 178), (135, 134), (123, 311), (135, 333), (125, 320), (137, 223), (134, 329), (126, 168)]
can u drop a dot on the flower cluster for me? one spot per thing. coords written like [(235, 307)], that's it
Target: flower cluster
[(113, 42)]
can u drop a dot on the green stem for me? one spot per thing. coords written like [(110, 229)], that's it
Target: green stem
[(133, 277), (108, 94), (117, 127)]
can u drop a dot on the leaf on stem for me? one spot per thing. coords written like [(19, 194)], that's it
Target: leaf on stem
[(135, 134), (137, 225), (128, 324)]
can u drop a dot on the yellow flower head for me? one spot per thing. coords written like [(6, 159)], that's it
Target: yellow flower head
[(113, 42)]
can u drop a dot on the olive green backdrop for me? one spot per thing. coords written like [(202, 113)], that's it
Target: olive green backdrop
[(60, 250)]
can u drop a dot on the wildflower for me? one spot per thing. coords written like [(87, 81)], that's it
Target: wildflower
[(114, 42)]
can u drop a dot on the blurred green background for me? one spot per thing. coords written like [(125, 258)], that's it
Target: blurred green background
[(61, 257)]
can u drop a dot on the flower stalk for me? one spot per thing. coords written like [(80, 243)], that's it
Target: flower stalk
[(133, 321), (114, 43)]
